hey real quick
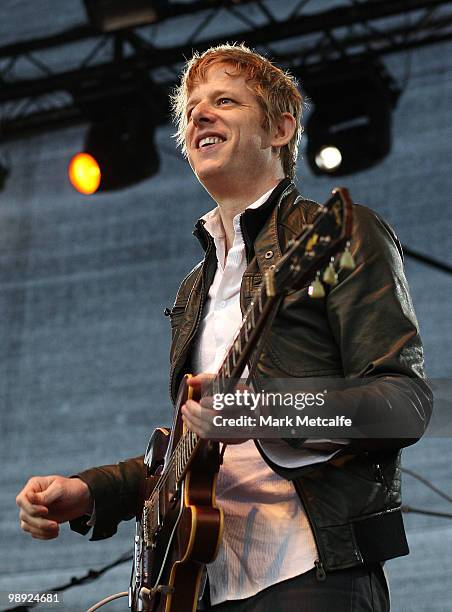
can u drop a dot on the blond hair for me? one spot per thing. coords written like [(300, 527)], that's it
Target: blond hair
[(276, 92)]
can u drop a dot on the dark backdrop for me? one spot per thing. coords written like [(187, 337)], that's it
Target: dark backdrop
[(83, 339)]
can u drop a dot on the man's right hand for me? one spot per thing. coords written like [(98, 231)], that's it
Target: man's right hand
[(47, 501)]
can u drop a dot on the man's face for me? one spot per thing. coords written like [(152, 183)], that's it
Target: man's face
[(225, 140)]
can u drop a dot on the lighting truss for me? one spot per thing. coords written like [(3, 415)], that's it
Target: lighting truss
[(38, 91)]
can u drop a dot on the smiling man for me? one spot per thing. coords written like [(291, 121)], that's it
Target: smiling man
[(231, 150), (308, 524)]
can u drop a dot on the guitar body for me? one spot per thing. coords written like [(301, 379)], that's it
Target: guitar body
[(179, 528)]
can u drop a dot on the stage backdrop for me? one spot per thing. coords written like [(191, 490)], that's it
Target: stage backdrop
[(84, 342)]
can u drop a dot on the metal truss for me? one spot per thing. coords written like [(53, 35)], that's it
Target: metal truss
[(50, 82)]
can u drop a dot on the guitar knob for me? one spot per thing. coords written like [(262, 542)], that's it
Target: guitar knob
[(330, 276), (316, 289), (347, 261)]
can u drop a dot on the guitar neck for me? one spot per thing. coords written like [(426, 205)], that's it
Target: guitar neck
[(244, 342), (229, 372)]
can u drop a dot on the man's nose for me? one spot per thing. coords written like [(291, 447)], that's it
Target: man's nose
[(203, 113)]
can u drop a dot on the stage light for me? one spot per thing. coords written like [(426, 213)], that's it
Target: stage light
[(349, 128), (328, 159), (113, 15), (120, 140), (84, 173)]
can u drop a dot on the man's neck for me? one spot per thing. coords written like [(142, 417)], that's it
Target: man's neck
[(230, 207)]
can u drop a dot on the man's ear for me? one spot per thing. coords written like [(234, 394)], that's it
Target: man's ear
[(283, 130)]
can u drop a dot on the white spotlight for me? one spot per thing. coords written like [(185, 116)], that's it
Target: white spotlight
[(328, 158)]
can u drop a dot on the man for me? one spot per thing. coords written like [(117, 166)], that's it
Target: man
[(300, 534)]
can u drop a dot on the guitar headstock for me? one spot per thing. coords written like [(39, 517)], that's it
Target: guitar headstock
[(315, 248)]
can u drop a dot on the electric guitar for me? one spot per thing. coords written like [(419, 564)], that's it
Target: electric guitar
[(179, 525)]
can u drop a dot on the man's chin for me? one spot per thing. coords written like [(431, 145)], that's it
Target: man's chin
[(209, 173)]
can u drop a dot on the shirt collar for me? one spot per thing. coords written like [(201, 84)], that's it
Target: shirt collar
[(214, 225)]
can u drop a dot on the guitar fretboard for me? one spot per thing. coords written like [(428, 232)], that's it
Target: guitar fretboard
[(230, 370), (244, 341)]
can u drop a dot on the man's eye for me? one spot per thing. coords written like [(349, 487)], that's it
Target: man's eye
[(222, 101)]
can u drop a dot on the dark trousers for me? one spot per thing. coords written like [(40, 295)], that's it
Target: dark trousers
[(362, 589)]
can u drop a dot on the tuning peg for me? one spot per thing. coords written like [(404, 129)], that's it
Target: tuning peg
[(347, 261), (316, 289), (330, 276)]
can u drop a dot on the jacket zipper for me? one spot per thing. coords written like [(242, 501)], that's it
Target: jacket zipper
[(380, 476), (320, 573), (198, 316)]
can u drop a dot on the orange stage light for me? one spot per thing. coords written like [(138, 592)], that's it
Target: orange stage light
[(84, 173)]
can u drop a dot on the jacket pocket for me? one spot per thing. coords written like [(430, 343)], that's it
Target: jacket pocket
[(177, 316)]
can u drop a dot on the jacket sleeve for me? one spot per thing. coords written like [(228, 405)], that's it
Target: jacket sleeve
[(115, 489), (372, 320)]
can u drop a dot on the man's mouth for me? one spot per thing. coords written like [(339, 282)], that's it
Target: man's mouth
[(208, 141)]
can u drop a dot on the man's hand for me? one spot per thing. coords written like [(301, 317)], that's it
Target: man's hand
[(198, 416), (46, 501)]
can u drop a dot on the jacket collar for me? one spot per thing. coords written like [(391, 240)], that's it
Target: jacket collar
[(253, 219)]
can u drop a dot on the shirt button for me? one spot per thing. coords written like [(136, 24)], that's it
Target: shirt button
[(222, 304), (268, 255)]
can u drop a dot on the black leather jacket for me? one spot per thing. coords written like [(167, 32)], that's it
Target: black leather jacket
[(364, 328)]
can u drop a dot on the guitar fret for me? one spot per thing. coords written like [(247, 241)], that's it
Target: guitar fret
[(174, 466), (179, 462), (245, 333), (231, 363), (183, 452), (238, 344)]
